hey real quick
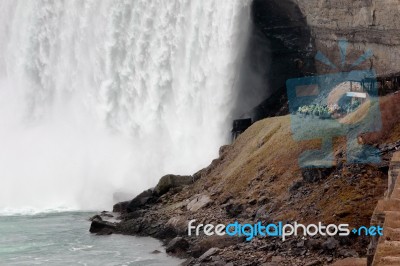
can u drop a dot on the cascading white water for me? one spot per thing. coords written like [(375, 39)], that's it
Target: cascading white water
[(105, 96)]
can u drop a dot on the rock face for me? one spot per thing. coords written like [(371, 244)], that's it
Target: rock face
[(171, 181), (178, 244), (121, 206), (178, 224), (366, 24), (295, 30), (251, 178), (140, 200), (250, 183)]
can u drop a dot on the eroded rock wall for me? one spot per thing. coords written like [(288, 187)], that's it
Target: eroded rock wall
[(366, 24)]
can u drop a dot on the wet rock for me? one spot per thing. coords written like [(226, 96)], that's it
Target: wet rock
[(140, 200), (155, 252), (105, 232), (102, 227), (171, 181), (164, 232), (132, 215), (198, 202), (131, 227), (176, 245), (121, 207)]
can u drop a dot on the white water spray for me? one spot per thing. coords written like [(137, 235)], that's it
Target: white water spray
[(105, 96)]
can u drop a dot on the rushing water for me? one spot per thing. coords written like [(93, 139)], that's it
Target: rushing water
[(101, 96), (64, 239), (105, 96)]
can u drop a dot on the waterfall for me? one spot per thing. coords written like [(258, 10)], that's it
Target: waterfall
[(104, 96)]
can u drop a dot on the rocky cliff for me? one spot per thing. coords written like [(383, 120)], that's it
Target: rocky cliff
[(296, 30), (366, 24), (258, 177)]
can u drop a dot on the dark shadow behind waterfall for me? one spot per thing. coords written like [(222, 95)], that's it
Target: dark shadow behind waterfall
[(252, 81)]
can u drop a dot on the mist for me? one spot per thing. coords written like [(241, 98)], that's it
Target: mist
[(99, 97)]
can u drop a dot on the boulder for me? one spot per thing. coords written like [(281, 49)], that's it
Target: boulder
[(178, 224), (132, 215), (140, 200), (168, 182), (102, 227), (156, 252), (208, 254), (165, 232), (121, 207), (130, 227), (198, 202), (178, 244)]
